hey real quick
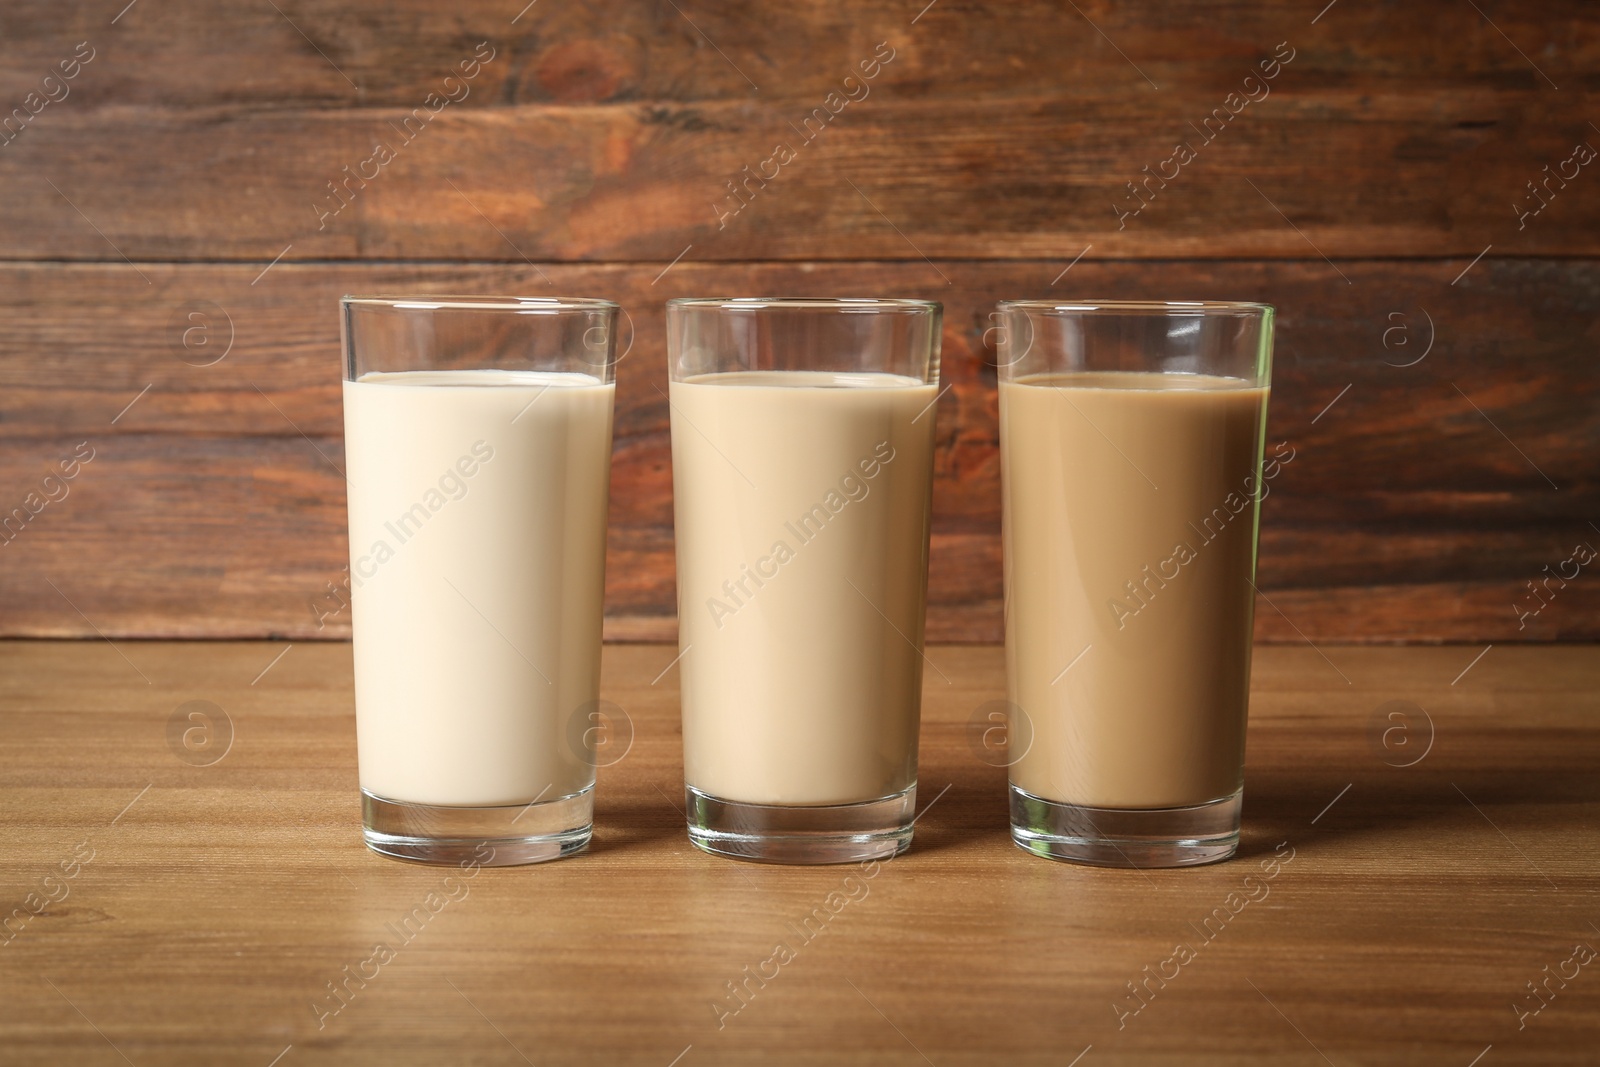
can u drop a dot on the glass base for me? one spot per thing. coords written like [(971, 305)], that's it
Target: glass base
[(497, 836), (832, 833), (1113, 837)]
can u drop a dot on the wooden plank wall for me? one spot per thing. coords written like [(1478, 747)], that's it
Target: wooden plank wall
[(170, 238)]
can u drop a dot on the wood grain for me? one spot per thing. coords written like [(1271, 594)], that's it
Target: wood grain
[(183, 170), (610, 132), (1416, 505), (220, 900), (193, 53)]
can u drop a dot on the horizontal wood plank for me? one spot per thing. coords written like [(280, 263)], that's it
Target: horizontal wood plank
[(330, 54), (1319, 171), (1420, 502)]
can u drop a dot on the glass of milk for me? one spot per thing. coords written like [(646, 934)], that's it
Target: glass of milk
[(802, 464), (1131, 473), (478, 444)]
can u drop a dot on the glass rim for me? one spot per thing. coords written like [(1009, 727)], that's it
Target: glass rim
[(433, 302), (801, 303), (1139, 307)]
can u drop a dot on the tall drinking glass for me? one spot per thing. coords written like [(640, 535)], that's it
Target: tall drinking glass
[(478, 443), (802, 459), (1131, 445)]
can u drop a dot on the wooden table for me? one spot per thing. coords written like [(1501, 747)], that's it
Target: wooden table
[(202, 908)]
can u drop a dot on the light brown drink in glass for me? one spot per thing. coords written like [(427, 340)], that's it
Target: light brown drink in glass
[(1129, 528)]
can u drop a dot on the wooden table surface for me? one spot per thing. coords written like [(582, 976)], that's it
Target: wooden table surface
[(1396, 892)]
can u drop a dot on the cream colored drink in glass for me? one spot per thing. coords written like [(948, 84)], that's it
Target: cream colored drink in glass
[(802, 453), (1131, 439), (801, 588), (478, 451)]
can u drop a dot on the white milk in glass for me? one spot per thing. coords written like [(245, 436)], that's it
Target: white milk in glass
[(478, 504)]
